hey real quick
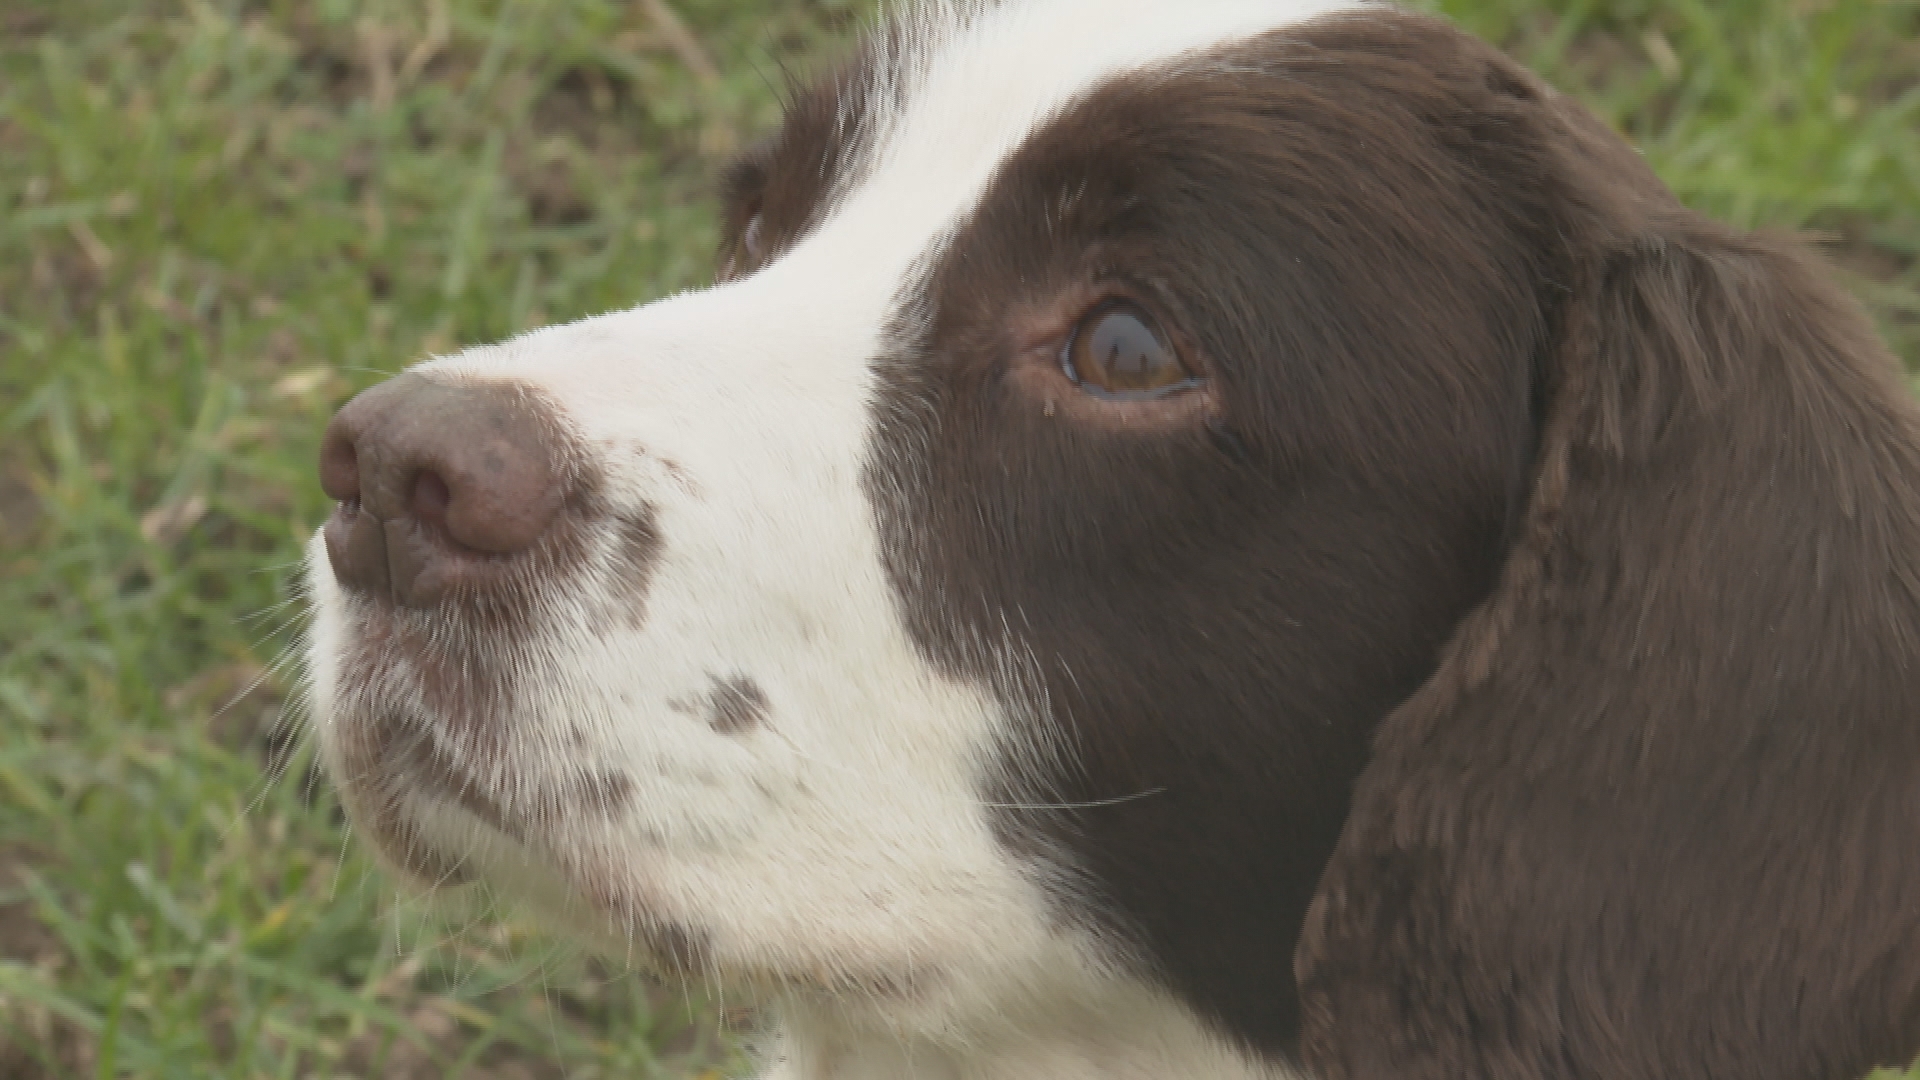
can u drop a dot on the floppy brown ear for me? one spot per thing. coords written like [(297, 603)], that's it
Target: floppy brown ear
[(1657, 814)]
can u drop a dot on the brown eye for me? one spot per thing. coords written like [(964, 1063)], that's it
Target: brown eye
[(1118, 351)]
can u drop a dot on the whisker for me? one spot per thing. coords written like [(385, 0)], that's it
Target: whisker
[(1116, 800)]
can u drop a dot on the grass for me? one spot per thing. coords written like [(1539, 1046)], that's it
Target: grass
[(218, 220)]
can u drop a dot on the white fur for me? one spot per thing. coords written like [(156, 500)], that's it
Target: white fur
[(843, 848)]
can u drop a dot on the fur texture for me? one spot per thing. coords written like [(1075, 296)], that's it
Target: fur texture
[(1496, 660)]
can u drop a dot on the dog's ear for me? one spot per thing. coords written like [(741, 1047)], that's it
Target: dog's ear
[(1657, 813)]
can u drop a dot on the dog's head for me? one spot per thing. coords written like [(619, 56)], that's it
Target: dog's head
[(971, 614)]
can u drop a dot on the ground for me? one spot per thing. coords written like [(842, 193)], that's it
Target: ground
[(218, 219)]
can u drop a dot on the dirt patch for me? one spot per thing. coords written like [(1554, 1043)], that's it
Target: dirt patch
[(1887, 278), (243, 708), (34, 1043), (400, 1059), (405, 1061), (43, 1047), (240, 704), (18, 24), (24, 938), (19, 507), (1854, 252)]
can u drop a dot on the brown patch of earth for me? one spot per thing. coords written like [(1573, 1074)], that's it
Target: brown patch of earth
[(19, 507), (35, 1044)]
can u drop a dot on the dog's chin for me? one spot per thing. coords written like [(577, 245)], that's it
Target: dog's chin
[(520, 871), (448, 859), (410, 839), (577, 889)]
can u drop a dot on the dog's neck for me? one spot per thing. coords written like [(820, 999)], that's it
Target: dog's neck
[(1131, 1034)]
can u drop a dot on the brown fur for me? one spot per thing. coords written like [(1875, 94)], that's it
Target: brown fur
[(1575, 536), (1657, 811)]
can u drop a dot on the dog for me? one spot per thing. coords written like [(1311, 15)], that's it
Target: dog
[(1236, 539)]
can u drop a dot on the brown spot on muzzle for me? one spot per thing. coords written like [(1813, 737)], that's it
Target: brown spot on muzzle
[(636, 551), (735, 705)]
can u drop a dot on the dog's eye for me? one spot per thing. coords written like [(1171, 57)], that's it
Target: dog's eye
[(1118, 351)]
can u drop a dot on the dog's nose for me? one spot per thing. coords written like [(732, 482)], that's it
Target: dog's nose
[(436, 482)]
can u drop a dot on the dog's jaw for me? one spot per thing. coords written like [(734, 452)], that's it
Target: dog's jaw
[(1118, 1030)]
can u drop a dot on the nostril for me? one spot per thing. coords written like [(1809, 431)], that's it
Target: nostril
[(431, 497), (339, 464)]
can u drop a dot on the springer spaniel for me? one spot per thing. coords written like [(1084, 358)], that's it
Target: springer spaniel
[(1224, 539)]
